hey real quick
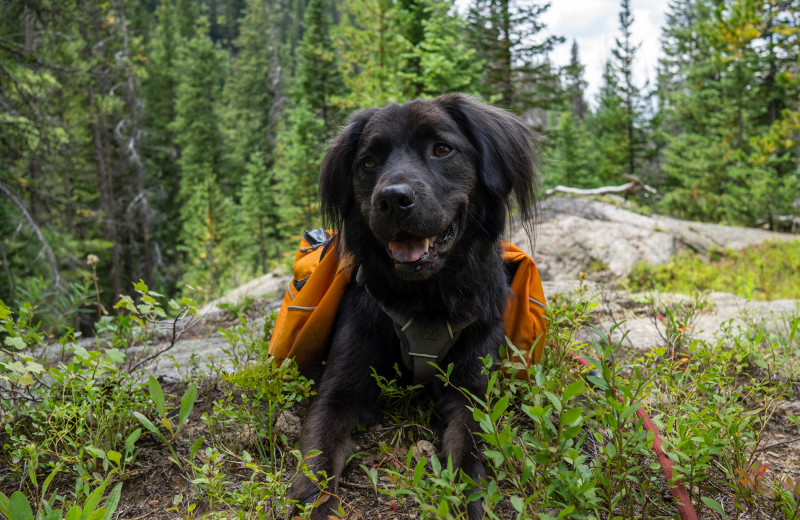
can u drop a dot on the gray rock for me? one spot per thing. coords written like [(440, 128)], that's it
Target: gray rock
[(606, 240)]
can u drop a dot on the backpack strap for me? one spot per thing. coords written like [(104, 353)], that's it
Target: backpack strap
[(421, 342)]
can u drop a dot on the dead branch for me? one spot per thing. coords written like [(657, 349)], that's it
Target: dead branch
[(633, 187), (51, 258)]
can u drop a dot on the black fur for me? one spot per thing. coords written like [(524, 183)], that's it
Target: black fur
[(445, 169)]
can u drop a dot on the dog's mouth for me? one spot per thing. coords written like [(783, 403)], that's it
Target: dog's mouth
[(408, 249)]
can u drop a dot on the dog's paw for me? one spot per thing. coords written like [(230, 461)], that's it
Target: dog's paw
[(325, 507), (305, 492)]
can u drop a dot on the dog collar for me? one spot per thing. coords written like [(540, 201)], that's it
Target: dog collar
[(422, 342)]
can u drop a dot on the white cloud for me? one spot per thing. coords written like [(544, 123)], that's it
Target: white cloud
[(594, 24)]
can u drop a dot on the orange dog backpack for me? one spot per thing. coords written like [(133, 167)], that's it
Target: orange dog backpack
[(305, 322)]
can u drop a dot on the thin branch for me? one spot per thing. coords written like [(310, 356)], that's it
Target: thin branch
[(765, 448), (51, 259)]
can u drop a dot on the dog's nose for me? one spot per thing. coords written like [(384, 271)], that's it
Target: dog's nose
[(396, 200)]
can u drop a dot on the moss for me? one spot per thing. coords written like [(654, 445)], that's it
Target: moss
[(769, 271)]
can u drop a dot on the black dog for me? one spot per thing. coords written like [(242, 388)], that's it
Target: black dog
[(420, 192)]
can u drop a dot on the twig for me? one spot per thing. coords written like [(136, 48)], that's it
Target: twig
[(764, 448), (51, 259), (176, 334)]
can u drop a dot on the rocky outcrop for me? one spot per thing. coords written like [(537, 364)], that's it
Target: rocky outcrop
[(606, 240)]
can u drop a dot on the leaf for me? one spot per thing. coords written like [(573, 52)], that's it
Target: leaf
[(573, 390), (131, 439), (19, 508), (517, 502), (93, 501), (140, 286), (50, 477), (196, 447), (443, 509), (56, 514), (419, 470), (187, 403), (16, 342), (629, 411), (95, 452), (147, 424), (167, 425), (599, 382), (114, 456), (115, 355), (74, 513), (112, 501), (98, 514), (571, 416), (713, 504), (157, 395), (499, 407)]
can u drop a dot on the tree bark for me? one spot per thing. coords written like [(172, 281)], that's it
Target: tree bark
[(133, 144), (100, 143)]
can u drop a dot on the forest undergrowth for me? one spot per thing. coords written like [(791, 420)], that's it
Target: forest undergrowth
[(87, 433)]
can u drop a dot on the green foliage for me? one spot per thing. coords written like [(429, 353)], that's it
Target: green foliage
[(319, 85), (732, 155), (560, 442), (301, 151), (438, 60), (17, 506), (769, 271), (570, 154), (371, 49), (157, 396)]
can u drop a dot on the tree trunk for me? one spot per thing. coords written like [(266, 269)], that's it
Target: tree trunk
[(134, 147), (104, 176)]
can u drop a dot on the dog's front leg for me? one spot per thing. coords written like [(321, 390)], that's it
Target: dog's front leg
[(327, 428), (346, 397), (459, 442)]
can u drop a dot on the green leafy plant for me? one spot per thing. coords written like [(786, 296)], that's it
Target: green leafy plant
[(17, 506), (157, 396)]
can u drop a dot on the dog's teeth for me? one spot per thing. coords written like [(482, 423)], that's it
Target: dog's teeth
[(427, 244)]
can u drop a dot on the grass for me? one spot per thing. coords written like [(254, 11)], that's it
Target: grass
[(81, 430), (769, 271)]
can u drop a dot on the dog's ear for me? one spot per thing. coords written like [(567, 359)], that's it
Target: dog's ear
[(336, 174), (507, 150)]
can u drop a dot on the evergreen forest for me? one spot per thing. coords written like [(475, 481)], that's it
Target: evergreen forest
[(178, 142)]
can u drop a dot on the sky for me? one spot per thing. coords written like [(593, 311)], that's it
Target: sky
[(595, 25)]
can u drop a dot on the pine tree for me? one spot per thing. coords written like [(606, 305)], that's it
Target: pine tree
[(260, 215), (318, 83), (508, 36), (201, 69), (301, 151), (730, 156), (252, 93), (608, 126), (439, 60), (161, 149), (571, 156), (624, 57), (575, 84), (371, 49)]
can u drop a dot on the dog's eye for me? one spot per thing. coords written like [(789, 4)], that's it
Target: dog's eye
[(442, 150), (369, 163)]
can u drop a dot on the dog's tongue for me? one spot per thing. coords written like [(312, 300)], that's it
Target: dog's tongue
[(408, 250)]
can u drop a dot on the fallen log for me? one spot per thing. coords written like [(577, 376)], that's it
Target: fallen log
[(631, 188)]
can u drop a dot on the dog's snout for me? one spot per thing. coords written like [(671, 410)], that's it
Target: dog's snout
[(396, 200)]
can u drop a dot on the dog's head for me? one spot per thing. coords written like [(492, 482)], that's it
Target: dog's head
[(427, 176)]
